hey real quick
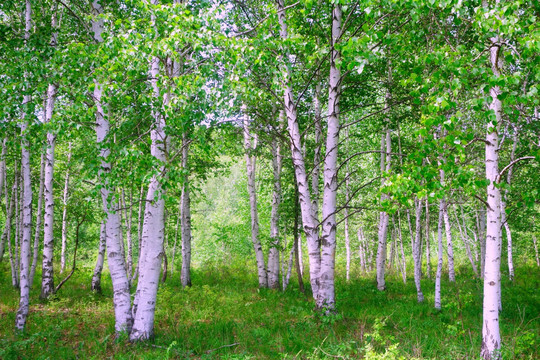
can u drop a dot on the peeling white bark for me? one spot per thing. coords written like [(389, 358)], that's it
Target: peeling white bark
[(24, 302), (491, 338), (153, 234), (309, 220), (326, 299), (115, 258)]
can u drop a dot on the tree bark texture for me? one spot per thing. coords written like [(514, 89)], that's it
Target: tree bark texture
[(185, 275), (249, 145), (113, 229)]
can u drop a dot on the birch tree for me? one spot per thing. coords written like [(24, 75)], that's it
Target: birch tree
[(115, 259), (24, 302)]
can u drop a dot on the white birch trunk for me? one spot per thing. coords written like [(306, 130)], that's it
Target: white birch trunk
[(153, 235), (503, 214), (24, 302), (7, 225), (115, 259), (491, 338), (481, 224), (64, 215), (127, 224), (428, 251), (361, 251), (96, 278), (26, 224), (449, 244), (252, 190), (37, 230), (185, 275), (273, 255), (383, 216), (9, 221), (176, 233), (463, 234), (47, 279), (47, 269), (404, 260), (439, 259), (326, 298), (346, 212), (309, 220), (417, 252)]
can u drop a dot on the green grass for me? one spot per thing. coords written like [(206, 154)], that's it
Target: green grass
[(224, 307)]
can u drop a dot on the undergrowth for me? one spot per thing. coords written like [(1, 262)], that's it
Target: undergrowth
[(224, 316)]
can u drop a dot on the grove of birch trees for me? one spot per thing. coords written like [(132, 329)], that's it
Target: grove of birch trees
[(397, 141)]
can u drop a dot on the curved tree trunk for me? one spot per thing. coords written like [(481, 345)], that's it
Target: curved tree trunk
[(309, 220), (153, 235), (115, 258)]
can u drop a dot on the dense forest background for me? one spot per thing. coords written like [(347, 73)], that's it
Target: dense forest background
[(269, 179)]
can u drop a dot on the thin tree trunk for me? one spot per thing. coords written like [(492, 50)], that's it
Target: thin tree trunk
[(24, 302), (176, 233), (404, 261), (346, 213), (428, 253), (481, 225), (309, 220), (127, 224), (383, 219), (96, 278), (9, 219), (504, 220), (139, 232), (37, 232), (417, 251), (297, 245), (463, 235), (120, 283), (361, 250), (74, 257), (439, 259), (64, 215), (273, 255), (250, 167), (449, 244), (186, 219)]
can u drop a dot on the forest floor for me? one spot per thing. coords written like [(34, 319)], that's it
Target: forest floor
[(224, 316)]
